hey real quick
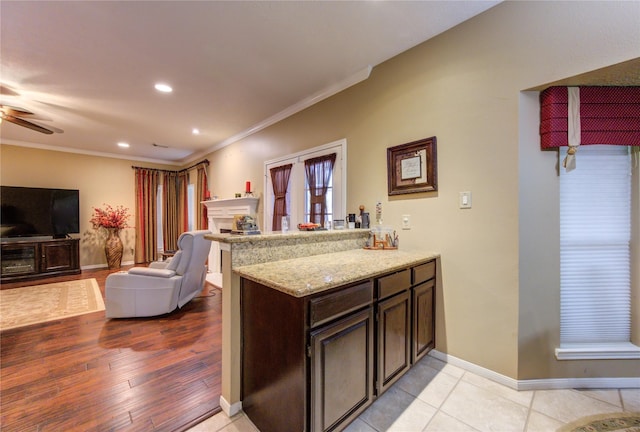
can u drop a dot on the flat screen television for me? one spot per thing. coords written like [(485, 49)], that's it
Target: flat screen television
[(35, 212)]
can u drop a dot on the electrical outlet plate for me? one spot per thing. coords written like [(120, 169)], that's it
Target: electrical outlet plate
[(406, 222), (465, 200)]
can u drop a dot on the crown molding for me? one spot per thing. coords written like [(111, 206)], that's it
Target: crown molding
[(293, 109), (89, 152)]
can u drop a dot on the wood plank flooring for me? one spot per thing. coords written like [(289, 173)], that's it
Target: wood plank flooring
[(87, 373)]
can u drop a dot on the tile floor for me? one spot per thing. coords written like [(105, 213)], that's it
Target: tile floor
[(435, 396)]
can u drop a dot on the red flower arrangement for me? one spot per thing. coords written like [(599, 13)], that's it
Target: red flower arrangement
[(110, 217)]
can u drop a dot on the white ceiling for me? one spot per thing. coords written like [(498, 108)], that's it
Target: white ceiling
[(89, 68)]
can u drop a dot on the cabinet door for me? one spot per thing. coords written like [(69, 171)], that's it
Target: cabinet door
[(19, 259), (341, 371), (394, 336), (59, 255), (423, 320)]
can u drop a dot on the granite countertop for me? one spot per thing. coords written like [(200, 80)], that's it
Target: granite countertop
[(293, 234), (300, 277)]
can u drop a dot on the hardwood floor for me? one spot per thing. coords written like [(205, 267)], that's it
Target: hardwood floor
[(87, 373)]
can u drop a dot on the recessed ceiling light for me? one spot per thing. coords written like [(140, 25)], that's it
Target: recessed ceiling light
[(123, 144), (195, 131), (164, 88)]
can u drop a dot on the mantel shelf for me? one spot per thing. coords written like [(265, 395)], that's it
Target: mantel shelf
[(231, 202), (220, 214)]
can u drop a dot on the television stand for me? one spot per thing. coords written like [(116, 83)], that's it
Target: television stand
[(38, 258)]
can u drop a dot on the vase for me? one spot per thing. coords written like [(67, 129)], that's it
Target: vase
[(113, 249)]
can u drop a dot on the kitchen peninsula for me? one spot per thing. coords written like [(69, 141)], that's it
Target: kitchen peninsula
[(316, 327)]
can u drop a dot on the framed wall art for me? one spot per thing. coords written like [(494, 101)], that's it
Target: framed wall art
[(412, 167)]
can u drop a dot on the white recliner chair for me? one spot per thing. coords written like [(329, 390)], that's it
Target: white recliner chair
[(163, 286)]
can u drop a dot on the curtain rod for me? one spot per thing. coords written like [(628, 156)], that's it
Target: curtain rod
[(205, 162)]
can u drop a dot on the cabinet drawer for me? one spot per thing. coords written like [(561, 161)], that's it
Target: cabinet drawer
[(394, 283), (330, 306), (424, 272)]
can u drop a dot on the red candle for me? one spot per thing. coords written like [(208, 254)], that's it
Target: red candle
[(248, 187)]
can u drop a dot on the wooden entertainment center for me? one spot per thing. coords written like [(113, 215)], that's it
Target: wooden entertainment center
[(31, 259)]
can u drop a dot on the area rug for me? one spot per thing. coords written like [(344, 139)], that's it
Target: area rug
[(41, 303), (618, 422)]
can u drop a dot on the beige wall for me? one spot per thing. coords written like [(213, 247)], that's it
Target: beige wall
[(498, 299), (100, 181), (498, 303)]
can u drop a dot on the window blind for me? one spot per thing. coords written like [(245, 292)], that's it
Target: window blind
[(595, 234)]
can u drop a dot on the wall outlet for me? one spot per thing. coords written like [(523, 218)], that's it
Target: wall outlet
[(406, 222), (465, 200)]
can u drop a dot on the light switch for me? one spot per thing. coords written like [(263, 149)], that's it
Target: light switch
[(465, 200), (406, 222)]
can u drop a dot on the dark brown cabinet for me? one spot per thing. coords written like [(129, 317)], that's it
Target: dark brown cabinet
[(315, 363), (29, 259), (394, 337), (424, 314), (423, 322), (341, 371)]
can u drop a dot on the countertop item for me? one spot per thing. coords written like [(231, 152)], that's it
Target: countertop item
[(300, 277)]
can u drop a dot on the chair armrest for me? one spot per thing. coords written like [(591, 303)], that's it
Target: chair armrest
[(154, 272), (159, 264)]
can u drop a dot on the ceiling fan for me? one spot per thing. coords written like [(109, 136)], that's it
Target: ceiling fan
[(16, 115)]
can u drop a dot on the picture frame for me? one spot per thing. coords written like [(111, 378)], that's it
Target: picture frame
[(412, 167)]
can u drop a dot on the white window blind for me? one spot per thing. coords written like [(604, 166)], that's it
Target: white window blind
[(595, 234)]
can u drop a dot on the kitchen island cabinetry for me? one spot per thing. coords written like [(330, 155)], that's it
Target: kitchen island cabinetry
[(394, 339), (341, 370), (314, 357), (288, 341)]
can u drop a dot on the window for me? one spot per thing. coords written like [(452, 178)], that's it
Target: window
[(298, 197), (595, 250), (191, 206), (318, 195)]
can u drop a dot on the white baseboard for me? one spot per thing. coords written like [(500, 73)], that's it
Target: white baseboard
[(538, 384), (478, 370), (230, 409)]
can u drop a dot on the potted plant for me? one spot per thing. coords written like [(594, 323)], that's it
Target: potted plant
[(112, 220)]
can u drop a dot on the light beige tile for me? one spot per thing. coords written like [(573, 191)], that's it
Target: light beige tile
[(484, 410), (541, 423), (213, 424), (611, 396), (522, 397), (427, 384), (242, 424), (442, 422), (442, 366), (397, 410), (359, 426), (630, 399), (569, 405)]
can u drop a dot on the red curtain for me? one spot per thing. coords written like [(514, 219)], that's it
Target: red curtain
[(608, 115), (170, 211), (319, 172), (183, 203), (280, 181), (145, 215), (202, 194)]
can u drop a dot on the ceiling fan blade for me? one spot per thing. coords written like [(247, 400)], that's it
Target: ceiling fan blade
[(7, 91), (27, 124), (14, 111)]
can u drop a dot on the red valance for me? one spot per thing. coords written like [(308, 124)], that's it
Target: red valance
[(608, 115)]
